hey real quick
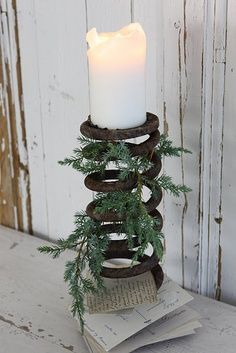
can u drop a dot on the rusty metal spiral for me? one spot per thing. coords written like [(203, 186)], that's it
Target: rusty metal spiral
[(109, 182)]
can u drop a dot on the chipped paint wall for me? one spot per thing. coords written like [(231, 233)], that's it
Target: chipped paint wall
[(190, 86), (15, 202)]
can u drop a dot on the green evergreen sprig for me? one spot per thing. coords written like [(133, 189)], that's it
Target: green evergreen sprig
[(90, 244), (89, 240), (166, 148), (96, 156), (165, 182)]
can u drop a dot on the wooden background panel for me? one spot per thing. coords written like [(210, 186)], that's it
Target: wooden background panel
[(7, 216), (57, 86), (190, 95), (27, 29), (182, 98), (64, 105), (228, 225), (173, 17), (211, 156), (15, 193)]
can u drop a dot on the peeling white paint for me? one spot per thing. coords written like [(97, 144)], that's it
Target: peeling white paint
[(11, 100), (3, 145), (212, 134), (12, 58), (1, 100)]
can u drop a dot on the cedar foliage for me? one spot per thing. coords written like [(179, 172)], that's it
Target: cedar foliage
[(89, 240)]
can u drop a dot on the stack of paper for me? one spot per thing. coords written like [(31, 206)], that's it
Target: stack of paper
[(123, 331)]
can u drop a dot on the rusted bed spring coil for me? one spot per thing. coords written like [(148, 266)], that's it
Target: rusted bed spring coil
[(101, 183)]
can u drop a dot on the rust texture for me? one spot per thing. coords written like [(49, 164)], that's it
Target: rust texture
[(19, 174), (92, 131), (109, 182)]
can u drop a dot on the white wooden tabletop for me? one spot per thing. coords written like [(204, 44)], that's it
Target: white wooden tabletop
[(34, 303)]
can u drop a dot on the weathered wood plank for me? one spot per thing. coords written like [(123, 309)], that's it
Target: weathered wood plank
[(7, 216), (172, 100), (182, 38), (60, 94), (211, 156), (27, 27), (190, 89), (14, 113), (228, 225)]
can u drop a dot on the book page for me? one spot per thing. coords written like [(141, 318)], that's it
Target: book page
[(182, 331), (123, 293), (160, 330), (109, 330), (154, 332)]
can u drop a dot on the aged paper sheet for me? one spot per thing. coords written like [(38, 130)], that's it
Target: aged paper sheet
[(123, 293), (180, 323)]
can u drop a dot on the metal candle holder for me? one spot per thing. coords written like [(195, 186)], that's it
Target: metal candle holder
[(113, 220)]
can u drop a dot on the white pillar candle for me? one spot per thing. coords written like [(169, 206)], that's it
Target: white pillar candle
[(117, 63)]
